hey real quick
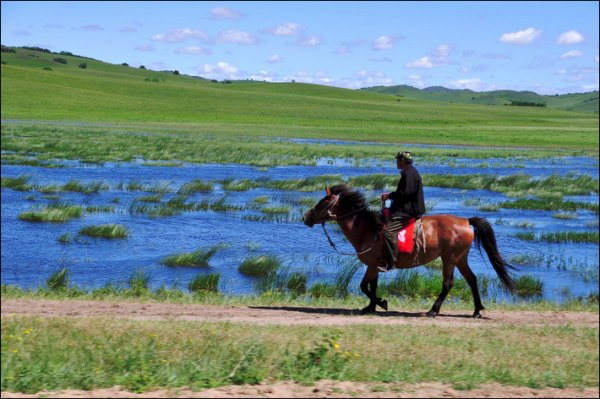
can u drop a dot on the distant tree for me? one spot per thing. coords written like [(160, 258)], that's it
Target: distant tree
[(60, 60), (175, 72), (7, 49), (125, 64), (45, 50), (142, 67), (47, 68), (83, 65)]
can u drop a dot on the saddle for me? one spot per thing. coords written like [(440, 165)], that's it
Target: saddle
[(411, 234)]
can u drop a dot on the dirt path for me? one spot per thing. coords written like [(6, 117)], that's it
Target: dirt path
[(288, 315), (296, 315)]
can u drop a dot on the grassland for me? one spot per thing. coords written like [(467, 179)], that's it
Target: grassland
[(119, 95)]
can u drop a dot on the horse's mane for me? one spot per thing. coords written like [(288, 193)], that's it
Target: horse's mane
[(353, 200)]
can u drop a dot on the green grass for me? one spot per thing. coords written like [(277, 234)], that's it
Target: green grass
[(243, 110), (259, 265), (105, 231), (91, 353), (58, 280), (528, 286), (204, 283), (54, 213), (197, 258), (564, 236)]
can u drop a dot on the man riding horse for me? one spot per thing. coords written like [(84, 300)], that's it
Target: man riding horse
[(408, 203)]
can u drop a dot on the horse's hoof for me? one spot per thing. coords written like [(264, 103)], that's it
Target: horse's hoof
[(431, 314), (476, 315), (384, 304)]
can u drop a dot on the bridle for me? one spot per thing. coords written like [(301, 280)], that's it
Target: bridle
[(333, 216)]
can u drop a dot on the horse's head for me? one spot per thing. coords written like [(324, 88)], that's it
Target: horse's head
[(325, 210)]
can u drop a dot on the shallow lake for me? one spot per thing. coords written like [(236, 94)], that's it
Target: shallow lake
[(31, 251)]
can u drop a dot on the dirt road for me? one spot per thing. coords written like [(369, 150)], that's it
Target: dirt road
[(297, 315), (288, 315)]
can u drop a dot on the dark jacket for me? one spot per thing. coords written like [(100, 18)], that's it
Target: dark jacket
[(408, 197)]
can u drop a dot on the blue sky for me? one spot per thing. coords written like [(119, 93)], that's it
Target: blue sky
[(548, 47)]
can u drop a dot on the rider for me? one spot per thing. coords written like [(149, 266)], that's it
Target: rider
[(407, 203)]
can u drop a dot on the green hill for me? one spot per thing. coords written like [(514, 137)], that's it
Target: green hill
[(581, 102), (37, 86)]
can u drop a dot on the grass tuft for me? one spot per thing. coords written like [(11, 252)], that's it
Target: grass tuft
[(259, 265), (58, 280), (105, 231), (197, 258), (205, 283)]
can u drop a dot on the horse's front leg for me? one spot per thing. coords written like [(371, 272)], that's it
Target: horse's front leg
[(368, 286)]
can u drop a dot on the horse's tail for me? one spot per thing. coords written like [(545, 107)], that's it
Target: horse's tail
[(484, 234)]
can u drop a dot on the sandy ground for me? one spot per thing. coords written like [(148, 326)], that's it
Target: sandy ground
[(291, 315)]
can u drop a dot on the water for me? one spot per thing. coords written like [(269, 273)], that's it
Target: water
[(31, 251)]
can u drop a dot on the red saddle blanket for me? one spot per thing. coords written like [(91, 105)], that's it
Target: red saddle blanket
[(405, 237)]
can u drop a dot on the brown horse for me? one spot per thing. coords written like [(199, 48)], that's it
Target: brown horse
[(446, 236)]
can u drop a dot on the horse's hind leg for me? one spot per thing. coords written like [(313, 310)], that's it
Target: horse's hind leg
[(448, 276), (467, 273)]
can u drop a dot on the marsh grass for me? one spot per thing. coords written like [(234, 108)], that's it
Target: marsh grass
[(276, 209), (197, 258), (528, 286), (20, 183), (65, 238), (565, 215), (549, 204), (259, 265), (88, 188), (58, 280), (195, 186), (105, 231), (139, 283), (340, 287), (416, 284), (53, 213), (563, 236), (204, 283)]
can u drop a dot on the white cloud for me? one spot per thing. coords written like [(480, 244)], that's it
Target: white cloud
[(179, 35), (384, 42), (571, 54), (239, 37), (224, 13), (309, 41), (286, 29), (570, 37), (274, 59), (423, 62), (193, 50), (265, 76), (521, 37), (471, 84), (220, 68), (439, 57)]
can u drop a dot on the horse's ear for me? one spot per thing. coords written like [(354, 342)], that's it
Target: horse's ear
[(328, 191)]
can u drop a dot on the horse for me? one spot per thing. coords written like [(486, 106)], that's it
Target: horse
[(446, 236)]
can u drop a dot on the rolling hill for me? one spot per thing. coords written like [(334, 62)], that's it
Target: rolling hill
[(43, 86), (581, 102)]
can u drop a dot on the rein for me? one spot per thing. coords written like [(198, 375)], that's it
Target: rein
[(334, 217), (347, 253)]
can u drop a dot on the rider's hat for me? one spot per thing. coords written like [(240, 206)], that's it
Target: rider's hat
[(404, 155)]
